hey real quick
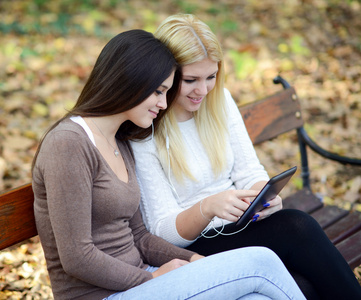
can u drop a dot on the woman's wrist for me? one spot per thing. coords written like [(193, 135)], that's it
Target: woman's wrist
[(195, 257), (203, 208)]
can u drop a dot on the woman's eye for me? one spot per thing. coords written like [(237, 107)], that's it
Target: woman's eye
[(212, 77), (159, 92), (189, 80)]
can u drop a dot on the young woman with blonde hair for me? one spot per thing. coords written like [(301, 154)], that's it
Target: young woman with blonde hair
[(200, 171)]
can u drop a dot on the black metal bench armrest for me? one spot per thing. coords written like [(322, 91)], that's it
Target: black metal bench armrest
[(327, 154)]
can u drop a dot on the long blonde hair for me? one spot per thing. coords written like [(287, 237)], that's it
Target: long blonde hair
[(190, 40)]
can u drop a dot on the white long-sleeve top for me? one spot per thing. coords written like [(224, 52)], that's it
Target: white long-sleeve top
[(160, 205)]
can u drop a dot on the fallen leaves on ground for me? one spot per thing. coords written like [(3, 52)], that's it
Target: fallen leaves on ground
[(23, 273)]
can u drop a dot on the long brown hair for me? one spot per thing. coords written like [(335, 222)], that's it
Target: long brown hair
[(131, 66)]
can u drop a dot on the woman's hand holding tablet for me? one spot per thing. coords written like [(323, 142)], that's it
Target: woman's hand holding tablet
[(272, 188)]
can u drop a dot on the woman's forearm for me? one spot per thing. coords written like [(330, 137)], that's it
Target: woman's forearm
[(190, 222), (228, 205), (258, 185)]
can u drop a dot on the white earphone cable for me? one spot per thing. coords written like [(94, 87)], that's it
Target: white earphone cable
[(220, 232)]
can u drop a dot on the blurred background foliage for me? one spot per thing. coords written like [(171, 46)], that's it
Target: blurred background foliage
[(48, 48)]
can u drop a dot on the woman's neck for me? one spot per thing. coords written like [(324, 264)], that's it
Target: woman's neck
[(106, 125)]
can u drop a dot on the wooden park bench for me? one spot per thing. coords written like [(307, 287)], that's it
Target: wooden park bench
[(265, 119)]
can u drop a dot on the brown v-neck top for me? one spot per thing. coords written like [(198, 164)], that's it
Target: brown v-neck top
[(89, 223)]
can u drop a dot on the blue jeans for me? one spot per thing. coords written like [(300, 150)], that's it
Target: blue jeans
[(245, 273)]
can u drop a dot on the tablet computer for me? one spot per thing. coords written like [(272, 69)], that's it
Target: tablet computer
[(269, 191)]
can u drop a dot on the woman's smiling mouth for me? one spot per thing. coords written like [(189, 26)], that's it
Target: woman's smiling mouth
[(153, 113), (195, 100)]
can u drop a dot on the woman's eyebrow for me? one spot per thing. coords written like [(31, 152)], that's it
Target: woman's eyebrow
[(195, 77)]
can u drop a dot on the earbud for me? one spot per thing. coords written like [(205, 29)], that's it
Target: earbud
[(166, 138), (152, 130)]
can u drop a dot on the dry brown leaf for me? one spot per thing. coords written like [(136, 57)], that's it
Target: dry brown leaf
[(354, 193), (17, 143)]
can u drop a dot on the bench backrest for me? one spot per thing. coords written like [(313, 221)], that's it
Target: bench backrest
[(269, 117), (264, 119), (17, 222)]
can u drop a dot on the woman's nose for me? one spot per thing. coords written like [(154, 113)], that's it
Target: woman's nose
[(162, 103), (201, 88)]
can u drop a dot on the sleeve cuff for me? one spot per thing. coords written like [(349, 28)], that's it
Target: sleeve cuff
[(168, 231)]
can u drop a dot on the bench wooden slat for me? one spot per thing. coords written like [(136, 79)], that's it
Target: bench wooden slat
[(344, 228), (270, 117), (303, 200), (17, 220), (328, 215), (351, 249)]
